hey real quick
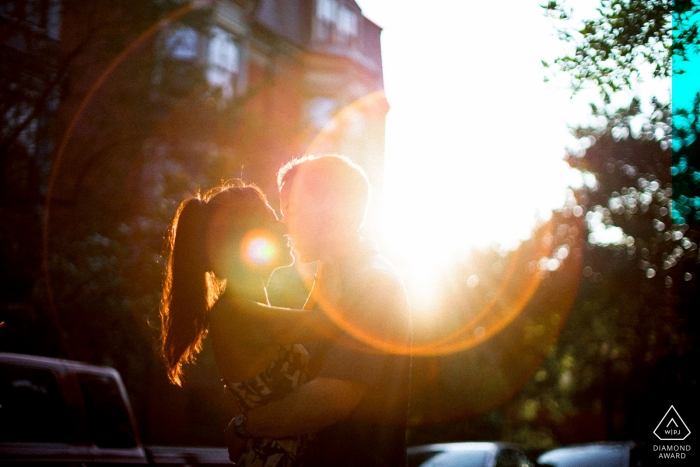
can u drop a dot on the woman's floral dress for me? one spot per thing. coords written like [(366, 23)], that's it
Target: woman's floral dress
[(286, 372)]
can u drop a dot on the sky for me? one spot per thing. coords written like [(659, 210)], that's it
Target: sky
[(475, 139)]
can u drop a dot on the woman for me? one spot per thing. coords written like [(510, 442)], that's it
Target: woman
[(222, 248)]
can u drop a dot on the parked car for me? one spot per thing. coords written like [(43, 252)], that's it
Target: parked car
[(603, 454), (468, 454), (60, 411)]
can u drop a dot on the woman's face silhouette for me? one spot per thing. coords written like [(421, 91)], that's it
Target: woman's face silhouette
[(243, 241)]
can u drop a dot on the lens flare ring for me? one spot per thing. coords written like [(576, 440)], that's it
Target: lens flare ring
[(508, 302), (506, 305), (77, 116)]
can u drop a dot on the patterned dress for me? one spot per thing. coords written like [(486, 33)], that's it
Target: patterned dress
[(284, 374)]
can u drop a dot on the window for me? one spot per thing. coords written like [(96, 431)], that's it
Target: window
[(181, 43), (335, 22), (347, 24), (178, 71), (44, 15), (326, 10), (223, 62), (192, 59), (109, 419), (32, 408)]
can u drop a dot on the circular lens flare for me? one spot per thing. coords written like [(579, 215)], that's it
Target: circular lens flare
[(259, 248)]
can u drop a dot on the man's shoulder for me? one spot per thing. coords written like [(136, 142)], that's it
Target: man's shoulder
[(378, 296), (377, 277), (374, 270)]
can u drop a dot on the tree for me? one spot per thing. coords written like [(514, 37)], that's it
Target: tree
[(609, 49), (628, 41), (619, 357), (633, 309)]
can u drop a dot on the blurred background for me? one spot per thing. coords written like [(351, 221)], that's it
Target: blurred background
[(530, 178)]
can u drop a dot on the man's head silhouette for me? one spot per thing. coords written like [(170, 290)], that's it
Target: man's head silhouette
[(323, 201)]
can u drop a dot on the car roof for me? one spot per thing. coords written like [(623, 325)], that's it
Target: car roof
[(596, 445), (461, 446), (573, 452)]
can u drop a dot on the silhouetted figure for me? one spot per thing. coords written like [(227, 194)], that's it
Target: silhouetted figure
[(357, 399), (224, 245)]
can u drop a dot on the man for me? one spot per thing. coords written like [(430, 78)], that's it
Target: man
[(357, 399)]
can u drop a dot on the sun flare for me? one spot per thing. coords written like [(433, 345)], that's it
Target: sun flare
[(448, 191), (475, 141)]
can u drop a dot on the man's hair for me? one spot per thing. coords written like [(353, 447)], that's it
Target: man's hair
[(332, 177)]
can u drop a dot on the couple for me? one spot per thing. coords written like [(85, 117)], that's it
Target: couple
[(323, 386)]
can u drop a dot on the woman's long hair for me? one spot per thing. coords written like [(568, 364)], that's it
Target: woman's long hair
[(190, 287)]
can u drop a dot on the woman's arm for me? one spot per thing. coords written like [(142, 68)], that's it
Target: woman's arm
[(265, 324)]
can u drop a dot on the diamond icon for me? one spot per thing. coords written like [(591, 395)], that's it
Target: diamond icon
[(671, 427)]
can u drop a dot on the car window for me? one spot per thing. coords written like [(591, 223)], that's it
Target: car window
[(32, 407), (108, 416), (416, 459), (458, 459)]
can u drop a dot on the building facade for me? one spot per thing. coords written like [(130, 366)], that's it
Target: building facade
[(293, 77)]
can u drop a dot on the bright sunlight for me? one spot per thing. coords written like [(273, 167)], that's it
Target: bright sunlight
[(473, 131)]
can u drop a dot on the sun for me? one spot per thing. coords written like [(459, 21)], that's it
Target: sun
[(452, 184), (475, 139)]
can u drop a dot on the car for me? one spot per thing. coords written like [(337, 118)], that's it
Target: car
[(468, 454), (70, 413), (601, 454)]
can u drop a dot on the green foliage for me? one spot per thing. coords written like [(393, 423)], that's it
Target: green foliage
[(633, 192), (521, 299), (635, 313), (614, 50), (609, 49)]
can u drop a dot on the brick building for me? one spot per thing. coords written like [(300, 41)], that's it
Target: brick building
[(300, 76)]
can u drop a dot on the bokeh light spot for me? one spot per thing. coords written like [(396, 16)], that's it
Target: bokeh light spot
[(259, 248)]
